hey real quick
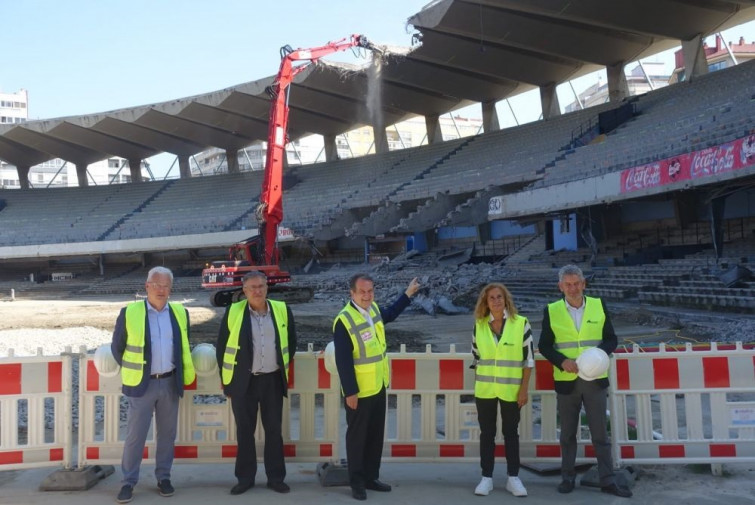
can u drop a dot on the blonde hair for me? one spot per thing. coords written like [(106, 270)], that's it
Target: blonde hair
[(482, 310)]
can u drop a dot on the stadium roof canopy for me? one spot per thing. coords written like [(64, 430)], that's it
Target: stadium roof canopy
[(470, 52)]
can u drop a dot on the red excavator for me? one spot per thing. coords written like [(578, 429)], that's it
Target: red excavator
[(261, 252)]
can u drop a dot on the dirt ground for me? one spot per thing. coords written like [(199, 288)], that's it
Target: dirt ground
[(313, 320), (415, 329)]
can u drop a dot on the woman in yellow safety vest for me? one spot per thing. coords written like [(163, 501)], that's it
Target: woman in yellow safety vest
[(504, 356)]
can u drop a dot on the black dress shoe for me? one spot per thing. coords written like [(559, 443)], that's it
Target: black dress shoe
[(376, 485), (566, 486), (359, 493), (242, 487), (279, 487), (613, 489)]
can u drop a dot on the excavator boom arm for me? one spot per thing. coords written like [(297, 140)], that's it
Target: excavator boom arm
[(270, 212)]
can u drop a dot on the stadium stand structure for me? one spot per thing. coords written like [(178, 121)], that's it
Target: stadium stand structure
[(709, 111), (122, 211), (671, 120), (351, 189), (449, 184)]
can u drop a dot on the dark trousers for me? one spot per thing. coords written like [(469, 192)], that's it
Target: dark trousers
[(487, 416), (593, 397), (265, 392), (364, 438)]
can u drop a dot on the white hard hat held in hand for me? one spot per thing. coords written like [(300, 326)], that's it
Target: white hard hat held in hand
[(104, 361), (592, 363), (204, 360), (330, 359)]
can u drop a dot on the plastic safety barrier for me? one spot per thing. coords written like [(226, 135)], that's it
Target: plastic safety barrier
[(206, 428), (684, 405), (35, 411), (667, 405)]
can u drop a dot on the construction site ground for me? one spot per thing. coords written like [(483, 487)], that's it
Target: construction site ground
[(414, 328), (313, 321), (413, 483)]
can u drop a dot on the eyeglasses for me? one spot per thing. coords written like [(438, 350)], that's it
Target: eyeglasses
[(255, 286), (159, 286)]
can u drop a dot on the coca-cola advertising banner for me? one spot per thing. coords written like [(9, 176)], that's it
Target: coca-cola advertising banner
[(699, 164)]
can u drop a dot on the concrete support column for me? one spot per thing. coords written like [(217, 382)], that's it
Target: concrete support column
[(232, 159), (135, 166), (23, 176), (434, 133), (618, 89), (717, 209), (490, 117), (549, 101), (695, 63), (331, 149), (81, 174), (381, 139), (483, 232), (183, 167)]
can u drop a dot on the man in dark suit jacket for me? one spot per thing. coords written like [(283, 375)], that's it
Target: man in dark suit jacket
[(256, 344), (572, 325), (151, 344)]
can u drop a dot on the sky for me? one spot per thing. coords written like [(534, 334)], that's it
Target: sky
[(83, 56), (78, 57)]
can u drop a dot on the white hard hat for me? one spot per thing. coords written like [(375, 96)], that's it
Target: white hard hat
[(330, 359), (204, 359), (592, 363), (104, 361)]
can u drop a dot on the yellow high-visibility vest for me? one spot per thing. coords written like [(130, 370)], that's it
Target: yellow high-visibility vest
[(369, 349), (568, 341), (498, 373), (132, 368), (235, 318)]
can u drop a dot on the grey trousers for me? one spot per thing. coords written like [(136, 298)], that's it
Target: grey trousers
[(593, 397), (161, 398)]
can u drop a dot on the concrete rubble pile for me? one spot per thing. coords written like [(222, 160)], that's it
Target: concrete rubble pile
[(448, 287)]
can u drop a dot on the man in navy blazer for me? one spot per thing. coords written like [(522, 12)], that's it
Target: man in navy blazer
[(151, 344), (256, 344)]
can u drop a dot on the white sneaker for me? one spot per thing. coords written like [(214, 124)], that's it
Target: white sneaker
[(484, 487), (514, 486)]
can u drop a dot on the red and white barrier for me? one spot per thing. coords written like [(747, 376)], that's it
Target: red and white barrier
[(35, 411), (206, 428), (684, 405), (667, 405), (432, 414)]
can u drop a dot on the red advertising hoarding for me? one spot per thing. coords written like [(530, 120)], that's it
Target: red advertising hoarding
[(696, 165)]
